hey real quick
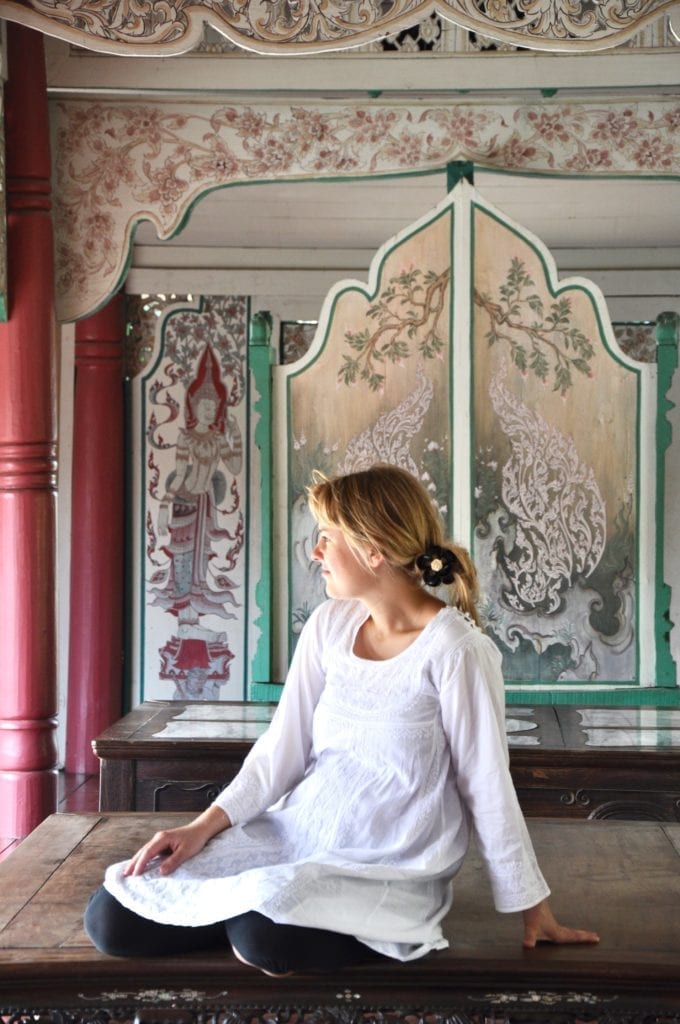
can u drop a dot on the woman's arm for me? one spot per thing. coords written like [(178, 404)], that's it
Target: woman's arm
[(540, 926), (473, 712), (176, 845), (280, 758)]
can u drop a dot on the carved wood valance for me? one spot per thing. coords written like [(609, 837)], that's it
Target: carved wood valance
[(310, 26)]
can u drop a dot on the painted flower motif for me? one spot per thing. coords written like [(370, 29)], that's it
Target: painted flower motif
[(549, 126), (461, 128), (616, 127), (146, 124), (437, 565), (406, 150), (589, 159), (369, 127), (671, 120), (312, 125), (654, 153), (517, 152), (271, 156)]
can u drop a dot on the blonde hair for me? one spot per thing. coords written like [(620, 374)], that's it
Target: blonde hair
[(387, 509)]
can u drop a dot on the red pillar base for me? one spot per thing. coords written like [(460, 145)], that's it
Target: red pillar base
[(25, 796)]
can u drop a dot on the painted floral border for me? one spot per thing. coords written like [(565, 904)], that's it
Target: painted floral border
[(307, 26), (116, 164)]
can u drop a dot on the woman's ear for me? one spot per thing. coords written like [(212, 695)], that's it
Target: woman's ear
[(374, 558)]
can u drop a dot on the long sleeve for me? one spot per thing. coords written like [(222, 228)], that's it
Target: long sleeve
[(473, 713), (280, 757)]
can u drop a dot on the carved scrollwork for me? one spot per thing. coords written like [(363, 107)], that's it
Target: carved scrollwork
[(207, 791), (308, 26), (579, 797), (635, 810)]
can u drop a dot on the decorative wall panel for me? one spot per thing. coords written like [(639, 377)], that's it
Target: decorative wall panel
[(196, 552), (556, 520), (467, 361), (307, 26), (116, 164)]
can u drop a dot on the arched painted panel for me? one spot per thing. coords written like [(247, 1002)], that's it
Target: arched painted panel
[(535, 432), (556, 468)]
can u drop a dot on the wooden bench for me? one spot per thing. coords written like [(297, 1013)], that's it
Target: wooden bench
[(176, 756), (622, 879)]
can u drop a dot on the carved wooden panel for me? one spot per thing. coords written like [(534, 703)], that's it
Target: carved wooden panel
[(289, 26)]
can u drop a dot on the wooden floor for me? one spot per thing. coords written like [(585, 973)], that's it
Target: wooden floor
[(75, 793)]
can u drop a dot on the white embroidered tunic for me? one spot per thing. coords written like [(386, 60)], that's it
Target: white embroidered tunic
[(354, 811)]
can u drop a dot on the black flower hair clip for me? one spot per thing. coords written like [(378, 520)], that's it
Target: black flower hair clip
[(438, 565)]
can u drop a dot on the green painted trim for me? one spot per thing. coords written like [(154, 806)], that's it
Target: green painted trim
[(261, 692), (457, 170), (260, 361), (639, 696), (667, 332), (4, 317)]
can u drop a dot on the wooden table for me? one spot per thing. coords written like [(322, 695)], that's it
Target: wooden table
[(175, 756), (48, 965)]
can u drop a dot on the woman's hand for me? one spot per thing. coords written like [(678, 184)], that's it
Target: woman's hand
[(540, 926), (176, 845)]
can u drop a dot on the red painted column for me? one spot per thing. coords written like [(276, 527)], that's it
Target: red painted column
[(28, 452), (96, 616)]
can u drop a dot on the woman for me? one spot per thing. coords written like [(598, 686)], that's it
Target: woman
[(340, 836)]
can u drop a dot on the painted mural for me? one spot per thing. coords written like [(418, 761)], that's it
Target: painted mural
[(555, 506), (383, 367), (192, 621)]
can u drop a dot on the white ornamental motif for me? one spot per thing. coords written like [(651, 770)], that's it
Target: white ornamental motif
[(557, 508), (389, 438)]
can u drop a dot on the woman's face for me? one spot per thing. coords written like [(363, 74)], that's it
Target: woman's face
[(206, 410), (345, 573)]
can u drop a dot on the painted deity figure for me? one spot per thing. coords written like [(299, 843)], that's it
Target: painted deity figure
[(197, 658)]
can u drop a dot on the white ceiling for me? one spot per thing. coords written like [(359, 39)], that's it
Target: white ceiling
[(362, 214)]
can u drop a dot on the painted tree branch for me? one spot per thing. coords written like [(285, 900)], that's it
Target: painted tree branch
[(551, 334), (391, 341)]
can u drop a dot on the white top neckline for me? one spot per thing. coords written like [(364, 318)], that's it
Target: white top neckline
[(409, 647)]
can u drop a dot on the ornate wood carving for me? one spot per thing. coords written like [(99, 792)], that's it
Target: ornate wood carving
[(312, 26)]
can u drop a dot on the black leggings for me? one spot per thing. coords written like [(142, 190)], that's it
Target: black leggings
[(274, 948)]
